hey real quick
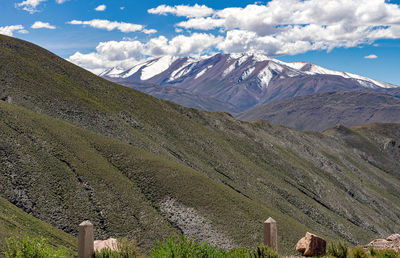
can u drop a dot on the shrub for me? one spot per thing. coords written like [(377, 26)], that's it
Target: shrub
[(338, 249), (185, 247), (372, 251), (28, 247), (239, 253), (358, 252), (124, 249), (263, 251), (383, 253)]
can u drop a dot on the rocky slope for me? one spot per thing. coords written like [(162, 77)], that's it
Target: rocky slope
[(240, 81), (322, 110), (75, 146)]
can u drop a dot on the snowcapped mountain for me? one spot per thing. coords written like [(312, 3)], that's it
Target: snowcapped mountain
[(236, 82)]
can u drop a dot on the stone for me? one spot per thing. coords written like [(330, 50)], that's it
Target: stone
[(271, 234), (301, 245), (85, 240), (311, 245), (394, 237), (110, 243), (392, 242)]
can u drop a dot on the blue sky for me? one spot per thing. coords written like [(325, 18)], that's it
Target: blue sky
[(337, 34)]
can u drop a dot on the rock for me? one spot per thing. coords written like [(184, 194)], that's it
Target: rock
[(301, 245), (311, 245), (390, 243), (109, 243), (394, 237)]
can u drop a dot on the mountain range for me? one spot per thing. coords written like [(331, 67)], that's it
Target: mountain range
[(74, 146), (246, 84), (320, 111)]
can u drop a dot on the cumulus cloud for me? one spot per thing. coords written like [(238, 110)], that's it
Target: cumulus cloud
[(296, 26), (113, 25), (29, 5), (61, 1), (126, 53), (372, 56), (42, 25), (9, 30), (279, 27), (23, 31), (101, 8), (149, 31), (183, 10)]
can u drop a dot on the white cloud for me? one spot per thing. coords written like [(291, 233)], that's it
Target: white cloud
[(126, 53), (183, 10), (61, 1), (23, 31), (149, 31), (29, 5), (101, 7), (372, 56), (202, 23), (42, 25), (110, 25), (296, 26), (280, 27), (122, 8), (9, 30)]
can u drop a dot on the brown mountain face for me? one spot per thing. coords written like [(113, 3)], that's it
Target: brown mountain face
[(322, 110)]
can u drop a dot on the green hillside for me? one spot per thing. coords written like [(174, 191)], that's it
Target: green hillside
[(75, 147), (15, 222)]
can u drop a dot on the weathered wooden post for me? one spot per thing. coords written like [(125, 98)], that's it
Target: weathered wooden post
[(271, 234), (85, 240)]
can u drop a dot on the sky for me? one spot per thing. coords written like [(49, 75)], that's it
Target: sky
[(357, 36)]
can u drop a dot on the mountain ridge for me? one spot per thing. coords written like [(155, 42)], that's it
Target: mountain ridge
[(320, 111), (242, 80)]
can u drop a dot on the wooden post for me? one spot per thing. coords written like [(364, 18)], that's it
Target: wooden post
[(271, 234), (85, 240)]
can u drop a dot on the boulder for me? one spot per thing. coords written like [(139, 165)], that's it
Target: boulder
[(110, 243), (390, 243), (394, 237), (311, 245)]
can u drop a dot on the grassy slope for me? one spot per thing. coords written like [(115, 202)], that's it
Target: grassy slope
[(115, 185), (15, 222), (235, 174)]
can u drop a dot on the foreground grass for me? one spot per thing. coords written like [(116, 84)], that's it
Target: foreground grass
[(39, 247), (14, 222), (341, 250), (32, 247)]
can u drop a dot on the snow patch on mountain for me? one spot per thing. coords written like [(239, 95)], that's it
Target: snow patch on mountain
[(112, 72), (203, 71), (265, 77), (260, 57), (295, 65), (132, 71), (246, 73), (156, 67), (229, 69)]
